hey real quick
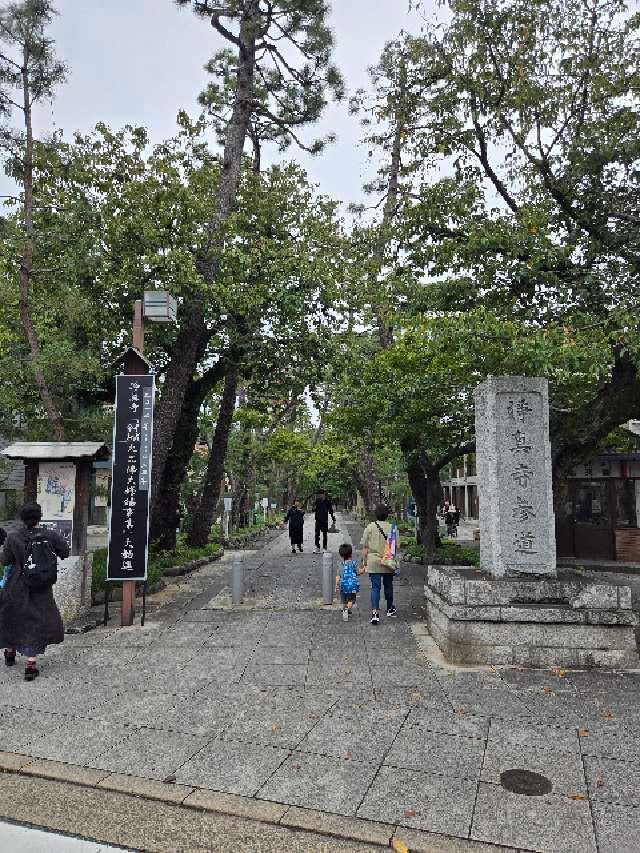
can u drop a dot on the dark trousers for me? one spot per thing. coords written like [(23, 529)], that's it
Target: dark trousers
[(322, 527), (385, 579)]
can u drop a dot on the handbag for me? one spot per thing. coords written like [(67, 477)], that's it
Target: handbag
[(388, 558)]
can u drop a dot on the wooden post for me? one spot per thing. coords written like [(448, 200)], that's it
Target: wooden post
[(81, 507), (31, 482), (131, 368)]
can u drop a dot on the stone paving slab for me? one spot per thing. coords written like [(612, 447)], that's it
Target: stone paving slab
[(613, 780), (79, 741), (437, 753), (145, 754), (549, 824), (553, 738), (334, 785), (617, 828), (364, 735), (564, 770), (233, 767), (421, 801)]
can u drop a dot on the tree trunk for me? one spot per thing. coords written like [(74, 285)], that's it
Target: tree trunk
[(194, 333), (166, 508), (427, 492), (203, 519), (366, 480), (26, 267)]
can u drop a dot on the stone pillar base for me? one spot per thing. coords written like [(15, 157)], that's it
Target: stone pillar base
[(478, 619), (73, 589)]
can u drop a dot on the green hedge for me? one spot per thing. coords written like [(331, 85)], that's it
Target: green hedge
[(158, 562), (447, 551)]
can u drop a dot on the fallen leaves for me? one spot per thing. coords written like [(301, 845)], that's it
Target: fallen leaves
[(583, 733), (577, 797), (399, 846), (608, 716), (296, 767), (169, 780), (409, 813), (599, 782), (558, 671), (548, 691)]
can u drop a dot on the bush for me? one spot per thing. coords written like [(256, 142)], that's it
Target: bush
[(157, 562), (449, 550)]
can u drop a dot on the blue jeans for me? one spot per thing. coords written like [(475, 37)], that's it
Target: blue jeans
[(376, 581)]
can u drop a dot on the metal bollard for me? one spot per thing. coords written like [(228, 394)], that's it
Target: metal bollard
[(237, 579), (327, 578)]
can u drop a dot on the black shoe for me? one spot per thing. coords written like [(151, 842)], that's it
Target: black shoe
[(391, 611), (293, 550), (375, 618), (31, 673), (9, 660), (300, 548)]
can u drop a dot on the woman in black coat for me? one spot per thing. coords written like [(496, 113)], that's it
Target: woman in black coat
[(295, 517), (29, 619)]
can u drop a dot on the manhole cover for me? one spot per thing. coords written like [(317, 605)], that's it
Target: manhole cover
[(525, 782)]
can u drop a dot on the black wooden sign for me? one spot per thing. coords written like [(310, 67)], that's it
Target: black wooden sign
[(131, 479)]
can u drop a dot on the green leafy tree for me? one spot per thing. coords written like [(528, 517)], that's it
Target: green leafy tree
[(29, 75), (257, 79), (534, 109)]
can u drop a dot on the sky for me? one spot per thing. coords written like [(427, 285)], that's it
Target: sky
[(140, 61)]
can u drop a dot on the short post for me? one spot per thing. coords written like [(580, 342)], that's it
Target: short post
[(327, 578), (237, 579)]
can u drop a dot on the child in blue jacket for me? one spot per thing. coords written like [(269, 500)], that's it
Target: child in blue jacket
[(347, 583)]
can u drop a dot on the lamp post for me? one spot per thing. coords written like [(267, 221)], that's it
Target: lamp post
[(157, 306)]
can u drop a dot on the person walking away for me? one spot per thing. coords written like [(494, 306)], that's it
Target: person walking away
[(322, 510), (29, 617), (295, 519), (374, 540), (448, 520), (347, 583)]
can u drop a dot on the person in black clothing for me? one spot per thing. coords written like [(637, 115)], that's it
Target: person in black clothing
[(295, 518), (29, 618), (322, 510)]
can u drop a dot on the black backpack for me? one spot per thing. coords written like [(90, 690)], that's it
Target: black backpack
[(40, 563)]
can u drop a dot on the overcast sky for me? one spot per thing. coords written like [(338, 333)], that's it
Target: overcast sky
[(140, 61)]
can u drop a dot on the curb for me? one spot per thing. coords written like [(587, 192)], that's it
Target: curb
[(203, 800)]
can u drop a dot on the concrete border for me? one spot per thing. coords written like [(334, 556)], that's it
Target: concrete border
[(204, 800)]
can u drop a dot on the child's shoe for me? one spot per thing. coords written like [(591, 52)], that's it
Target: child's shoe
[(392, 611), (345, 615), (375, 618)]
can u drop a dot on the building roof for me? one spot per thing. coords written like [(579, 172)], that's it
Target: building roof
[(44, 450)]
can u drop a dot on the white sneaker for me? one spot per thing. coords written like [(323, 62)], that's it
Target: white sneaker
[(345, 615), (316, 550)]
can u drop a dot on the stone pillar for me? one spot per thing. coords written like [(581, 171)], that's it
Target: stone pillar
[(517, 527)]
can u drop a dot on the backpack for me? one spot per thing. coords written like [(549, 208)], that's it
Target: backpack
[(40, 563), (349, 583)]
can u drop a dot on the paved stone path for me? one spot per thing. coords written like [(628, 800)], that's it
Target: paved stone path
[(280, 700)]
